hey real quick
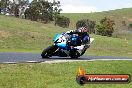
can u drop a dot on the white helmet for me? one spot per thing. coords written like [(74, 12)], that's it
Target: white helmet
[(82, 29)]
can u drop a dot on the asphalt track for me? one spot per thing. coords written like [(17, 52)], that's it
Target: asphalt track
[(36, 58)]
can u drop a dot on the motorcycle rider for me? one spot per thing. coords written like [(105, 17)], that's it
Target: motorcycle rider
[(82, 33), (78, 37)]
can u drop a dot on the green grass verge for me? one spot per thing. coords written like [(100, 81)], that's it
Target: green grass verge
[(60, 75), (110, 46), (19, 34)]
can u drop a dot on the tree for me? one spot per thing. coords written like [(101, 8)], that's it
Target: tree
[(106, 27), (62, 21), (86, 23), (3, 5), (124, 23), (16, 11), (130, 26), (17, 7), (92, 25), (0, 6), (27, 13), (43, 10), (34, 11), (22, 6)]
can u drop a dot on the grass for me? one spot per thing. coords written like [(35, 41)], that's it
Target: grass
[(118, 16), (60, 75), (19, 35), (26, 35), (110, 46)]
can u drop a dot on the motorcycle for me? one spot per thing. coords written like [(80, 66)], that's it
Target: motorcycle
[(62, 47)]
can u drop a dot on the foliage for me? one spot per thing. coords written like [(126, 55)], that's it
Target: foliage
[(42, 10), (16, 11), (12, 7), (86, 23), (0, 7), (3, 4), (82, 23), (105, 28), (62, 21), (124, 23), (38, 10), (33, 11), (130, 26)]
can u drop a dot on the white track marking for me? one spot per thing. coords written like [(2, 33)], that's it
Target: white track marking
[(63, 61)]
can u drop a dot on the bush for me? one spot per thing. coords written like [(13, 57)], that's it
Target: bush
[(82, 23), (130, 26), (62, 21), (86, 23), (92, 25), (105, 28), (27, 13), (124, 23)]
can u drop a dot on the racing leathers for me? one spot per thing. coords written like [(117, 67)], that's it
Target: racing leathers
[(80, 37)]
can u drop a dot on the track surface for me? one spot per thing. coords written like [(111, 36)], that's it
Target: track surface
[(36, 57)]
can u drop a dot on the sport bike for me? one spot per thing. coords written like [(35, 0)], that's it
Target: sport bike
[(62, 47)]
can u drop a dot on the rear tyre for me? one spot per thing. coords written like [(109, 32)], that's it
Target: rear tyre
[(48, 52)]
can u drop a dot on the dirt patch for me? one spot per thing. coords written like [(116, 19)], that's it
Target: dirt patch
[(4, 34), (130, 19), (35, 34), (28, 34)]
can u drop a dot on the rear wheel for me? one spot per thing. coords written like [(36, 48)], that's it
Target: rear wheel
[(48, 52)]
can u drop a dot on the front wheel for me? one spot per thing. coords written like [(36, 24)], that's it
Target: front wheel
[(85, 48), (74, 54), (48, 52)]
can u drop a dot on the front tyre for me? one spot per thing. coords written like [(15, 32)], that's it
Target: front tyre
[(48, 52), (74, 54), (85, 48)]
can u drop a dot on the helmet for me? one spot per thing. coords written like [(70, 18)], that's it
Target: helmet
[(82, 29)]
